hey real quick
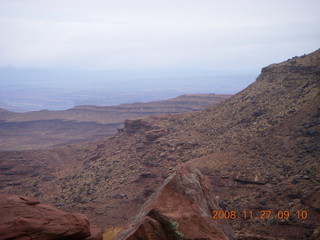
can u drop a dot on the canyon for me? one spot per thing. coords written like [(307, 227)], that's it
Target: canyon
[(256, 151)]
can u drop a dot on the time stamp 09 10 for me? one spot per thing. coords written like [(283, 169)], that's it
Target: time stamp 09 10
[(263, 215)]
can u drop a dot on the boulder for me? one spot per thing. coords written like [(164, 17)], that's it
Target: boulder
[(25, 218)]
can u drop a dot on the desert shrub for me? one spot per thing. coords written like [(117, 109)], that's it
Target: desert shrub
[(174, 225)]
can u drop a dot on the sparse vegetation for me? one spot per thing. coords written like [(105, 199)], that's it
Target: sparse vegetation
[(174, 226)]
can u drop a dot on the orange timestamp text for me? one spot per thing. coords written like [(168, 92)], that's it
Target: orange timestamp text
[(263, 215)]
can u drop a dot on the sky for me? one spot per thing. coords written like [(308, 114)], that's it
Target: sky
[(197, 36)]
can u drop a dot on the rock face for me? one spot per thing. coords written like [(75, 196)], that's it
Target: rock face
[(154, 135), (132, 126), (181, 209), (25, 218)]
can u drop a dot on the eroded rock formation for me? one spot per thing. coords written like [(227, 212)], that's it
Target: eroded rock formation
[(25, 218), (180, 209)]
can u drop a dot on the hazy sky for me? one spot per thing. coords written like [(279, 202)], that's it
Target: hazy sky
[(224, 35)]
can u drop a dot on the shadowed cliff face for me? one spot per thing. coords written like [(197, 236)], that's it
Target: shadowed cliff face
[(260, 150)]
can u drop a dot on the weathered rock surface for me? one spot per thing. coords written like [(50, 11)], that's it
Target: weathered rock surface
[(25, 218), (313, 199), (154, 134), (132, 126), (180, 209)]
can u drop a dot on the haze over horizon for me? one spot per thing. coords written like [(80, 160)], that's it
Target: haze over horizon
[(178, 46)]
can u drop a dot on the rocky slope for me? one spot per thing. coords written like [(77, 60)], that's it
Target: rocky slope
[(44, 129), (260, 150)]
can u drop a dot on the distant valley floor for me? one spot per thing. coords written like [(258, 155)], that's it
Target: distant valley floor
[(45, 129)]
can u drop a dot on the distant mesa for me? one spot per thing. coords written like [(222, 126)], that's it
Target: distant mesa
[(45, 129)]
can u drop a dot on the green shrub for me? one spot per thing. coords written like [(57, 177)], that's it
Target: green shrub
[(174, 225)]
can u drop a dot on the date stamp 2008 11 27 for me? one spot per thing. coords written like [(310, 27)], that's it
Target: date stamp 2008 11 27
[(263, 215)]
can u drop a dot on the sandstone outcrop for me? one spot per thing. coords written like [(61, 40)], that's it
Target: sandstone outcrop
[(132, 126), (25, 218), (154, 135), (180, 209)]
